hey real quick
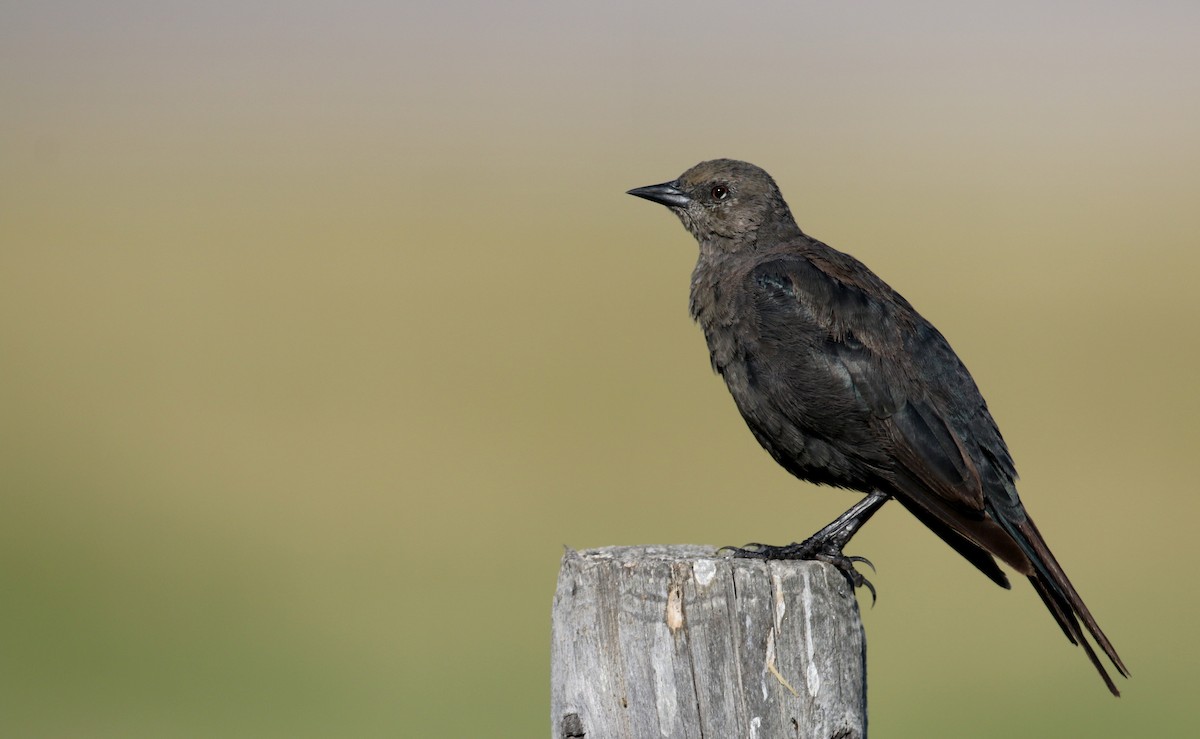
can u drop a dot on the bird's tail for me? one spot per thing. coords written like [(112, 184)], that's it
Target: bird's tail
[(1060, 597)]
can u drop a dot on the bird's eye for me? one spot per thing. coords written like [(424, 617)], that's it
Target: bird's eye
[(719, 192)]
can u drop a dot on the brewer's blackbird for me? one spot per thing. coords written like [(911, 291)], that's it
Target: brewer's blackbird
[(845, 384)]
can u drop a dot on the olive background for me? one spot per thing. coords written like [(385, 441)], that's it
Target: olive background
[(325, 326)]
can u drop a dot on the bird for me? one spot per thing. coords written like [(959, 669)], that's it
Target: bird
[(845, 384)]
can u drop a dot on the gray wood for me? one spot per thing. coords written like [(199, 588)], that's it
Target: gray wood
[(676, 641)]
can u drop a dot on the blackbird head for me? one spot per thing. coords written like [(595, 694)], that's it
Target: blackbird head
[(727, 205)]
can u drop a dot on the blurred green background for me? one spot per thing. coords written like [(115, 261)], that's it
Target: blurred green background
[(323, 327)]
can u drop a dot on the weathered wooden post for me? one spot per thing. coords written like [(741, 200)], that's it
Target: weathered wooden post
[(676, 641)]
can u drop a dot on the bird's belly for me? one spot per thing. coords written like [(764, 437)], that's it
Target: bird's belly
[(785, 432)]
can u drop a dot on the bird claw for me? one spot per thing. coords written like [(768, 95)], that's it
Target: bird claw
[(864, 560), (845, 565), (754, 550), (812, 550)]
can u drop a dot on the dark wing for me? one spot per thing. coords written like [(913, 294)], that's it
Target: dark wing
[(942, 454), (889, 376)]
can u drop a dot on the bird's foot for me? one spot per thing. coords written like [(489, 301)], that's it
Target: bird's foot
[(814, 550)]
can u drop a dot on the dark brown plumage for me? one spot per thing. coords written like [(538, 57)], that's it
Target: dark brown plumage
[(845, 384)]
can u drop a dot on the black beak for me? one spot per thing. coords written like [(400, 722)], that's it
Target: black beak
[(668, 194)]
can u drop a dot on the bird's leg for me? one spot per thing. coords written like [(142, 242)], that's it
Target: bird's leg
[(826, 545)]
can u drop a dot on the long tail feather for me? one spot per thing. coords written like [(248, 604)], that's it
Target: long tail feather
[(1060, 596)]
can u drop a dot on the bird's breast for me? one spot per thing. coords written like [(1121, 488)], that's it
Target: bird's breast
[(711, 308)]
